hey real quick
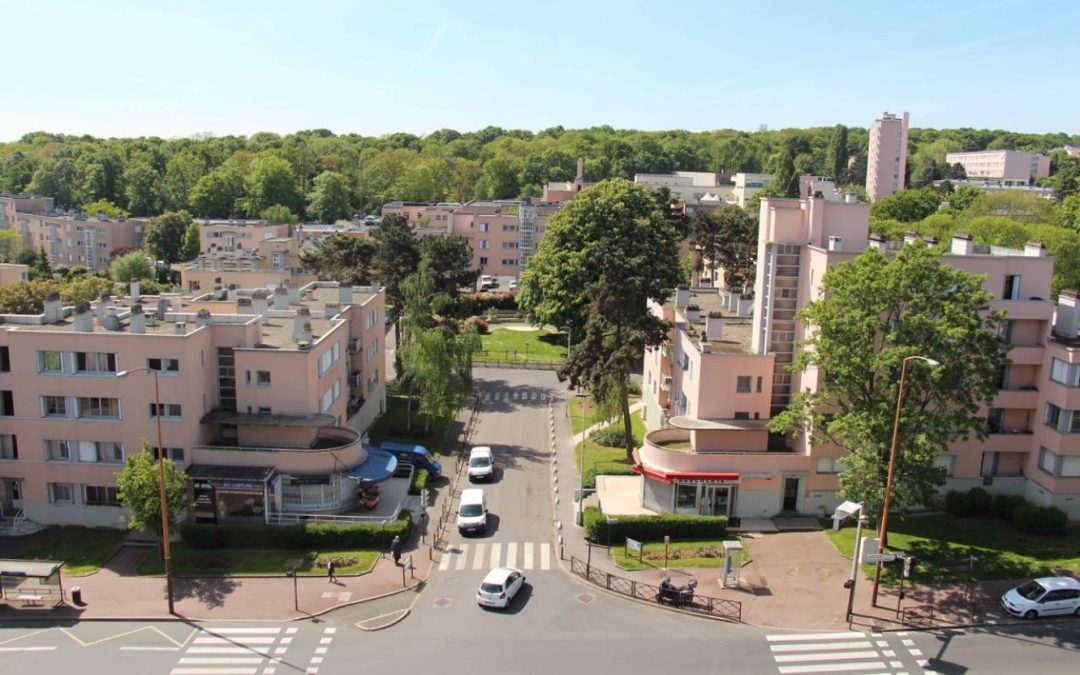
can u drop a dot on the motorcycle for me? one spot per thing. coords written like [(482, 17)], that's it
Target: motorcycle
[(676, 596)]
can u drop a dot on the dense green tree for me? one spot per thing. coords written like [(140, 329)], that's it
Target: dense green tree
[(397, 256), (182, 173), (603, 257), (100, 176), (189, 245), (499, 179), (1066, 180), (27, 297), (56, 178), (217, 194), (142, 185), (837, 157), (11, 243), (340, 257), (962, 197), (1025, 207), (736, 247), (907, 206), (165, 235), (270, 180), (785, 179), (41, 268), (1069, 215), (331, 199), (134, 265), (139, 489), (449, 260), (16, 172), (874, 314), (279, 215), (104, 207)]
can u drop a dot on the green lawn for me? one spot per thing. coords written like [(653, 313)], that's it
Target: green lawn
[(612, 461), (591, 416), (943, 545), (391, 426), (698, 554), (83, 550), (503, 344), (256, 562)]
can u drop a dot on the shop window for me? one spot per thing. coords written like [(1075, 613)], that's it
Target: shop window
[(686, 496)]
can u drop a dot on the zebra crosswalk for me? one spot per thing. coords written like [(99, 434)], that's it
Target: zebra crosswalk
[(519, 394), (485, 555), (238, 650), (842, 652)]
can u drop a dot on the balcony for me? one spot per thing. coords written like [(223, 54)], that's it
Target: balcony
[(665, 383), (1037, 310), (669, 451), (1026, 355), (1017, 399), (334, 449)]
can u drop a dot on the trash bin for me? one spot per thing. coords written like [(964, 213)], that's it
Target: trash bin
[(76, 595)]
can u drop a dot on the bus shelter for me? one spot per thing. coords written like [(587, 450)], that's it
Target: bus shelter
[(29, 583)]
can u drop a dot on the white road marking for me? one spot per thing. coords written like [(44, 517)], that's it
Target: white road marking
[(234, 641), (908, 643), (831, 667), (842, 656), (242, 631), (820, 646), (545, 556), (847, 635), (26, 649), (511, 554), (228, 650), (444, 563), (478, 557), (496, 553), (459, 564), (528, 555), (217, 661), (214, 671), (328, 631)]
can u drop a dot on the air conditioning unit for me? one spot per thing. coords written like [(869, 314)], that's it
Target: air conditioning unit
[(355, 346), (665, 383)]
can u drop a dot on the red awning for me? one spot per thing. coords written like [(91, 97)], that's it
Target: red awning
[(686, 476)]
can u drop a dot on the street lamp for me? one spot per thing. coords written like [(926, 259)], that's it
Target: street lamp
[(843, 512), (883, 533), (161, 484)]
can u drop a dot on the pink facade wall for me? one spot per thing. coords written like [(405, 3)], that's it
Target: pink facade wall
[(888, 144)]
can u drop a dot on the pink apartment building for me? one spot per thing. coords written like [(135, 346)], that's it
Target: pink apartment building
[(69, 239), (264, 398), (1007, 167), (230, 236), (709, 392), (10, 273), (273, 262), (886, 161)]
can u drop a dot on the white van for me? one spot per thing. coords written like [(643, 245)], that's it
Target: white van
[(472, 511), (481, 464)]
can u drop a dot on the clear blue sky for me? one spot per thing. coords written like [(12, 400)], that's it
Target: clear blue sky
[(114, 68)]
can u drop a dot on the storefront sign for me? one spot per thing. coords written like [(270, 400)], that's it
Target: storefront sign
[(711, 481), (234, 488), (632, 545)]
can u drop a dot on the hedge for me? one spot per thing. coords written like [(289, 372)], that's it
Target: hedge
[(654, 528), (309, 536), (1044, 520), (419, 481), (1027, 517)]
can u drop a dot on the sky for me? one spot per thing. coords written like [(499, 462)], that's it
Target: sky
[(170, 69)]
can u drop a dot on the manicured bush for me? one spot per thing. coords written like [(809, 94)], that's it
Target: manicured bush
[(1040, 520), (978, 502), (477, 322), (956, 503), (311, 536), (653, 528), (419, 481), (633, 388), (1004, 506), (613, 436)]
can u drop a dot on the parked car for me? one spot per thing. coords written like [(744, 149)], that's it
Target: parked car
[(472, 511), (481, 464), (499, 587), (417, 455), (513, 284), (1045, 596)]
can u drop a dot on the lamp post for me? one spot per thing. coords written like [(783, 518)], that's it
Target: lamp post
[(161, 485), (883, 533)]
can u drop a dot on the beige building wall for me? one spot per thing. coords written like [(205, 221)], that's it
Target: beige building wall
[(886, 162)]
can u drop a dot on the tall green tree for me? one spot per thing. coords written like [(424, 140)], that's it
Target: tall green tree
[(134, 265), (11, 242), (142, 185), (217, 194), (875, 313), (165, 235), (449, 261), (270, 180), (786, 180), (105, 208), (279, 215), (907, 206), (41, 268), (340, 257), (836, 157), (962, 197), (56, 178), (603, 257), (139, 489), (397, 256), (331, 199), (182, 173), (189, 245)]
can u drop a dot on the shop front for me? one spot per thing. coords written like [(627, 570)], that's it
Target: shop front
[(706, 497), (230, 494)]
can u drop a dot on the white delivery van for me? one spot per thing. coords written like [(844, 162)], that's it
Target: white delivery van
[(481, 465), (472, 511)]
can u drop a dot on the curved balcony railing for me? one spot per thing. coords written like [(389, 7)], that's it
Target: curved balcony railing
[(335, 449)]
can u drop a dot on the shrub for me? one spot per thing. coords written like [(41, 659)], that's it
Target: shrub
[(613, 436), (956, 503), (1004, 506), (978, 502), (311, 536), (654, 528), (419, 481), (633, 388), (479, 323), (1040, 520)]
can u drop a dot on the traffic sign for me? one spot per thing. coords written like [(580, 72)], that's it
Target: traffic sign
[(880, 557)]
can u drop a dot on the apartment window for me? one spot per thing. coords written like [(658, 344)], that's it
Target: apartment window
[(5, 360), (742, 384), (175, 454), (483, 261), (164, 366), (7, 403), (947, 462), (53, 406), (50, 362), (742, 415), (9, 446), (61, 493), (262, 378), (1053, 415), (265, 410), (58, 451), (759, 383), (1011, 290), (830, 464), (510, 262), (168, 410), (1064, 373), (1005, 331), (373, 381), (1070, 467), (373, 318), (484, 227), (109, 452), (101, 495), (509, 244), (484, 244), (95, 362), (325, 361), (97, 406)]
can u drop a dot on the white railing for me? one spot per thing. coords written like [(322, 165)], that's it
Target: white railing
[(340, 519)]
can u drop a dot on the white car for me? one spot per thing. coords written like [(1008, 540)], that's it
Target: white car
[(1045, 596), (481, 464), (513, 284), (499, 587)]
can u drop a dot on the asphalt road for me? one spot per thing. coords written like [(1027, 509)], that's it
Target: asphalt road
[(558, 625)]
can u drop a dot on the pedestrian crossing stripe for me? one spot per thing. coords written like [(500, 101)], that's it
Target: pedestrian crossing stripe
[(234, 650), (837, 652), (513, 395), (526, 555)]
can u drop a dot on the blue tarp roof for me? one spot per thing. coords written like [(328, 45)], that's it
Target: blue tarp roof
[(376, 468)]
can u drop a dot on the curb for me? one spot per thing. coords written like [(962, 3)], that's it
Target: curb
[(396, 618)]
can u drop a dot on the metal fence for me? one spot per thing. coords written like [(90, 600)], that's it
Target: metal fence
[(509, 360), (447, 515), (729, 610)]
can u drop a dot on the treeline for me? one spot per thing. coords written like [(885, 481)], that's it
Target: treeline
[(318, 175)]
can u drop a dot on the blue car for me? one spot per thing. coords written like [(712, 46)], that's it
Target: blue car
[(417, 455)]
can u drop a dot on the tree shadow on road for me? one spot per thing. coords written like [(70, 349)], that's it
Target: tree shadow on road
[(210, 591)]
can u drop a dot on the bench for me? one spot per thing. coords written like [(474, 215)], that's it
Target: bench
[(31, 600)]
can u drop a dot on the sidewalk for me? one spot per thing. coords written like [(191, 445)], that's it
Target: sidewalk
[(794, 581)]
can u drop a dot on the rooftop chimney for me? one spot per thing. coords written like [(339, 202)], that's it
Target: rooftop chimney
[(851, 198), (244, 306), (714, 326), (331, 309), (962, 244), (258, 302), (162, 305), (218, 293), (202, 318), (84, 320), (103, 306), (910, 237), (682, 297), (54, 308), (1068, 314), (111, 322), (294, 294), (137, 321), (878, 241), (281, 298), (302, 325), (1035, 249), (181, 328), (836, 243), (135, 294), (345, 294)]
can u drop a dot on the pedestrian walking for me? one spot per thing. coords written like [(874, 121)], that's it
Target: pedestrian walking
[(395, 550), (331, 570)]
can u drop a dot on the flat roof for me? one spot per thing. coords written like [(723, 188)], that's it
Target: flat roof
[(229, 472), (315, 420), (39, 569), (737, 331)]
